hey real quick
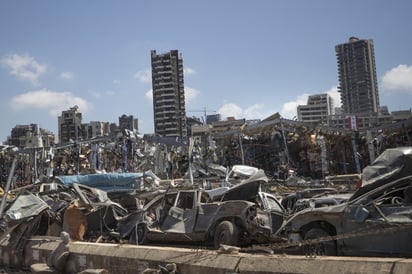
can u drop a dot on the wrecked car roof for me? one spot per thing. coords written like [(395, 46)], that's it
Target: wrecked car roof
[(244, 191), (392, 164), (247, 190)]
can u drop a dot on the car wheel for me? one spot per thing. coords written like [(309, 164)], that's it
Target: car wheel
[(138, 235), (322, 248), (226, 233)]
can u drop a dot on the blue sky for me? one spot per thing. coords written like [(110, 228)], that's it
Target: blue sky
[(247, 59)]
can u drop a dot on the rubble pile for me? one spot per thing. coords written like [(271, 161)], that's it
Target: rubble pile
[(278, 146), (96, 191)]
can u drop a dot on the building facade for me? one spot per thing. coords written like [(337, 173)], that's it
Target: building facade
[(168, 94), (95, 129), (19, 134), (31, 136), (357, 76), (231, 123), (401, 115), (70, 125), (128, 122), (317, 110), (212, 118)]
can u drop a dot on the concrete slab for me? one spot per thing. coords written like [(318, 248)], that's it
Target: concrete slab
[(123, 258), (319, 265), (134, 259), (403, 266)]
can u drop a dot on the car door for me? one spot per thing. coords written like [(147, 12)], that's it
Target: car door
[(273, 209), (181, 217), (382, 224)]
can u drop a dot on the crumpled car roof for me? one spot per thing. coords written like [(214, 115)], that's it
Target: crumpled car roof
[(246, 190), (392, 164)]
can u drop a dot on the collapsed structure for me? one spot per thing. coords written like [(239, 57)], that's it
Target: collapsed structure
[(275, 145)]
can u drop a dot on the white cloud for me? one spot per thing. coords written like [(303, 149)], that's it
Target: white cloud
[(255, 111), (109, 93), (188, 71), (333, 92), (24, 67), (143, 75), (99, 95), (44, 99), (289, 109), (149, 95), (96, 95), (66, 75), (398, 79), (191, 94), (230, 110)]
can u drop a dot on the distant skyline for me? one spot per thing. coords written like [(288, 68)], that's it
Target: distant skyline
[(247, 59)]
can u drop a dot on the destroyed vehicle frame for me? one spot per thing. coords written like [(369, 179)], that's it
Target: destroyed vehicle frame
[(375, 221), (191, 216), (42, 210)]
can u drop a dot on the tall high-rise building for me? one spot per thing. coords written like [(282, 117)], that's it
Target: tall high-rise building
[(168, 94), (357, 76), (70, 125)]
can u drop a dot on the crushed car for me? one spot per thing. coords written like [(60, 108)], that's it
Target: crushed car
[(237, 216), (375, 221), (47, 209)]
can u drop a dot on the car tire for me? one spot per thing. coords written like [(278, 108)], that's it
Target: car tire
[(326, 247), (138, 235), (226, 233)]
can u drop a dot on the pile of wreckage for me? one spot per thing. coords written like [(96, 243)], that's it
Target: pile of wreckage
[(275, 145), (278, 183), (112, 207), (230, 207)]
